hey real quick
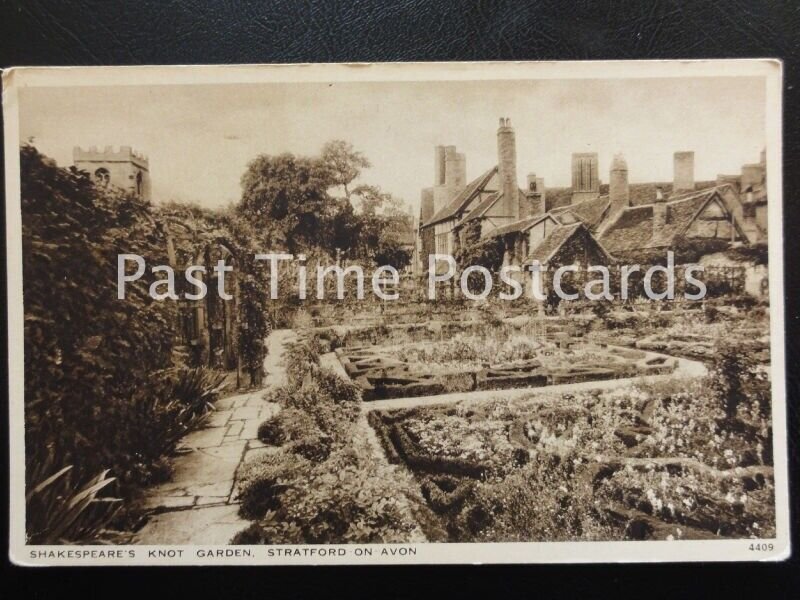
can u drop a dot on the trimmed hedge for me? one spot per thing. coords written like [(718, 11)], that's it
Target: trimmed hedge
[(446, 494), (411, 454)]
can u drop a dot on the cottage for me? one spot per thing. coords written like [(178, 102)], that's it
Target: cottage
[(619, 220)]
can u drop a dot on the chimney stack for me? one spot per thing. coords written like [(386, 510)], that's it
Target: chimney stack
[(507, 168), (618, 188), (752, 175), (426, 206), (450, 175), (455, 169), (533, 201), (438, 162), (683, 171), (585, 179)]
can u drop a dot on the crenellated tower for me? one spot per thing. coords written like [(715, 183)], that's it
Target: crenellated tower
[(123, 169)]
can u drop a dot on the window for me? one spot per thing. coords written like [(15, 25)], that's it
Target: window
[(139, 183), (442, 247), (102, 177)]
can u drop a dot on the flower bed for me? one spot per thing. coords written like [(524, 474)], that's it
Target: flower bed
[(496, 358), (655, 461)]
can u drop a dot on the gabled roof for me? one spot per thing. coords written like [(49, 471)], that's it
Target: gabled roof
[(520, 226), (483, 206), (552, 242), (633, 229), (559, 236), (466, 196)]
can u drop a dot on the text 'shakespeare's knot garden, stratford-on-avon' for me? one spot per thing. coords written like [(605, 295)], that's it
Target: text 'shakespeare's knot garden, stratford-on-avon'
[(330, 315)]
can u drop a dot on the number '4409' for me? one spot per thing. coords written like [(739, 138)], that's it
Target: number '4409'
[(761, 547)]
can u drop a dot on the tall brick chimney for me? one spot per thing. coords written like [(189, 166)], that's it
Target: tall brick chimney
[(455, 169), (532, 202), (585, 178), (618, 188), (683, 171), (450, 175), (619, 192), (507, 168)]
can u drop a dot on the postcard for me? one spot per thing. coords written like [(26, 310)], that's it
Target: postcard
[(417, 313)]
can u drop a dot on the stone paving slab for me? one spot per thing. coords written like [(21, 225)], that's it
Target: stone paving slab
[(201, 525), (208, 437), (198, 505), (218, 418)]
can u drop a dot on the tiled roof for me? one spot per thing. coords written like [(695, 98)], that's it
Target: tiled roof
[(550, 244), (590, 212), (558, 196), (645, 193), (640, 193), (633, 229), (483, 206), (517, 226), (462, 199)]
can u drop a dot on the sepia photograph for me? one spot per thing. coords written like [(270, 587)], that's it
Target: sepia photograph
[(396, 313)]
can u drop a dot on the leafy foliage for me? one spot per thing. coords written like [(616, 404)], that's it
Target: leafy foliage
[(293, 200), (86, 353), (101, 392), (324, 485), (736, 382), (58, 510)]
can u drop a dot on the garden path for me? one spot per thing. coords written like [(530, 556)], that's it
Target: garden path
[(198, 505)]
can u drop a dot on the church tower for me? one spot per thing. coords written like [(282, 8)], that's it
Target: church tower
[(125, 169)]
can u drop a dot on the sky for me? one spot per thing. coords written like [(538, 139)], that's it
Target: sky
[(200, 138)]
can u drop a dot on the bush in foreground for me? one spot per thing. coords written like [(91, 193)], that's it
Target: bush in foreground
[(324, 485)]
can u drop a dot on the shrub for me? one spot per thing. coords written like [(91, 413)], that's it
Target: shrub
[(315, 447), (262, 482), (735, 381), (196, 388), (325, 487), (546, 499), (340, 390), (349, 498), (271, 432), (301, 358), (290, 424)]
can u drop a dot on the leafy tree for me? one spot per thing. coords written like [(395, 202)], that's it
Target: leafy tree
[(289, 198), (343, 163), (287, 194)]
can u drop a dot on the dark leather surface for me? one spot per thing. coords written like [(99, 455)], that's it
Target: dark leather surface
[(91, 32), (160, 31)]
